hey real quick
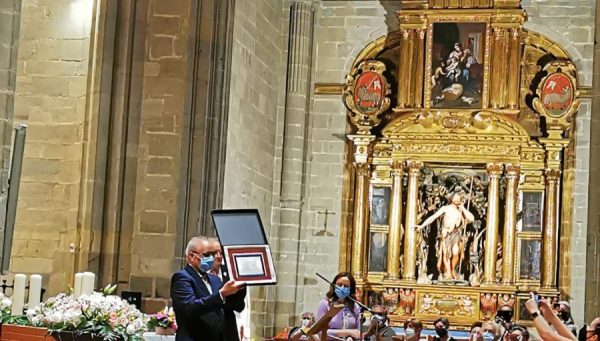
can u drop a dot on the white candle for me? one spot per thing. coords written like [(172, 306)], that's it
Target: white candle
[(35, 291), (18, 297), (77, 284), (87, 286)]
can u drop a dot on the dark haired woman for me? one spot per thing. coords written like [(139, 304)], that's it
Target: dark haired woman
[(345, 324)]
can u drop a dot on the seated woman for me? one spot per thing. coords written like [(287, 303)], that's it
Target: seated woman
[(345, 324)]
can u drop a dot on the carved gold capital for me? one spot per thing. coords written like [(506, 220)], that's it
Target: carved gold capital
[(407, 33), (414, 167), (494, 169), (498, 32), (552, 175), (363, 169), (512, 171), (515, 33), (397, 168)]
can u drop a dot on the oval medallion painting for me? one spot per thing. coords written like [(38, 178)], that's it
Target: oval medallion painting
[(368, 92), (557, 94)]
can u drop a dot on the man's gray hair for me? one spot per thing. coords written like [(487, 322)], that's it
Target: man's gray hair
[(191, 246)]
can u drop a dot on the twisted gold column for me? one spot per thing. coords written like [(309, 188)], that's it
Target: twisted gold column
[(549, 241), (510, 223), (410, 235), (361, 200), (395, 233), (491, 237)]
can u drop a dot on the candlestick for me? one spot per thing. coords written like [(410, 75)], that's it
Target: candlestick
[(18, 297), (87, 286), (35, 291), (77, 284)]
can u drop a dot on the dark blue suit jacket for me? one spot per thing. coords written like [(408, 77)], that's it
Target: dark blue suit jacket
[(199, 314)]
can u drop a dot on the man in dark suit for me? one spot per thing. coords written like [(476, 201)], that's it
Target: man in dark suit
[(236, 301), (199, 297)]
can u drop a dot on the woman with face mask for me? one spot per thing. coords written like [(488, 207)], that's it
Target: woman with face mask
[(591, 332), (412, 330), (441, 330), (345, 324)]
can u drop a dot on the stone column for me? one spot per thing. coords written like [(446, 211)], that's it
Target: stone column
[(361, 199), (292, 181), (395, 233), (510, 223), (410, 235), (549, 241), (491, 237)]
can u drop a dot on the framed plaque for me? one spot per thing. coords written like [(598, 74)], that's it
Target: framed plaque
[(246, 252), (250, 263)]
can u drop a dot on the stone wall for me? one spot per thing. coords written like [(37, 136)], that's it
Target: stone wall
[(52, 76), (255, 128), (159, 148)]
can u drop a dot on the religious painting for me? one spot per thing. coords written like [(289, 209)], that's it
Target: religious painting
[(523, 313), (532, 209), (390, 300), (378, 252), (557, 94), (380, 203), (452, 217), (407, 301), (374, 298), (457, 65), (529, 258)]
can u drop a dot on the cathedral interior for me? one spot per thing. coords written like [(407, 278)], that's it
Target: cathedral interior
[(440, 151)]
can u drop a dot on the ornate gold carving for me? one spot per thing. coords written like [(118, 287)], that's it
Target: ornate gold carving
[(366, 95), (552, 175), (432, 305), (494, 169), (557, 95)]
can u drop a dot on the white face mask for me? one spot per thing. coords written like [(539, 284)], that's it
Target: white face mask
[(487, 336), (305, 322), (409, 332)]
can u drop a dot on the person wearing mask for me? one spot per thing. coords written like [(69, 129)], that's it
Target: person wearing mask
[(199, 297), (412, 330), (591, 332), (491, 331), (542, 315), (564, 314), (236, 303), (377, 328), (345, 324), (441, 329), (307, 319)]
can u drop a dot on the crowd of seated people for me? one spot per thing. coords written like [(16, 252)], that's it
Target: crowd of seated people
[(552, 323)]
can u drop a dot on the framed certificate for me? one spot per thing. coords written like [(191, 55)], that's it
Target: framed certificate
[(250, 263), (246, 251)]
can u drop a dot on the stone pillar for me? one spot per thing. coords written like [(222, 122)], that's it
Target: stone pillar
[(510, 223), (491, 237), (296, 116), (549, 241), (395, 233), (410, 236), (361, 200)]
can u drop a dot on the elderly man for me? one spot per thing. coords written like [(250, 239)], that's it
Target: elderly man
[(236, 302), (199, 297)]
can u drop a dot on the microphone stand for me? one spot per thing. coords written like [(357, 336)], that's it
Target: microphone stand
[(362, 307)]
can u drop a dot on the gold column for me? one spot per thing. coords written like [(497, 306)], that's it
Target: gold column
[(510, 223), (491, 237), (498, 68), (513, 64), (361, 199), (410, 235), (395, 233), (419, 68), (549, 240), (405, 65)]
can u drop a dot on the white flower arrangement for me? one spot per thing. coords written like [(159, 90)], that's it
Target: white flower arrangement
[(106, 316), (5, 306)]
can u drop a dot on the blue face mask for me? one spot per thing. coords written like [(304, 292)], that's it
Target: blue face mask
[(342, 292), (206, 263)]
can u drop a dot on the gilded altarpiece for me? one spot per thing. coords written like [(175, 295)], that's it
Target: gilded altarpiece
[(460, 123)]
